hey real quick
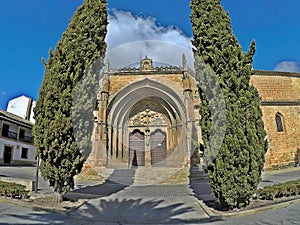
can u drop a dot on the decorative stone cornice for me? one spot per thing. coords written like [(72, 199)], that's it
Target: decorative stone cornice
[(274, 73), (146, 67), (154, 70)]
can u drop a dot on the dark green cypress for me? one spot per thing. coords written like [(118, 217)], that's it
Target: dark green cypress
[(71, 63), (235, 170)]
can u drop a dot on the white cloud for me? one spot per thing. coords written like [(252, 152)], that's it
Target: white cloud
[(288, 66), (130, 38)]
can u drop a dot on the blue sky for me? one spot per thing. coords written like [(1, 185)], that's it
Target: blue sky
[(30, 28)]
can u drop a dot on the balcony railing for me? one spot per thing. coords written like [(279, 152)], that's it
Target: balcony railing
[(14, 135), (28, 139)]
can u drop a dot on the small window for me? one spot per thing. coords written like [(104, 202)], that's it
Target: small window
[(5, 130), (279, 122), (24, 154)]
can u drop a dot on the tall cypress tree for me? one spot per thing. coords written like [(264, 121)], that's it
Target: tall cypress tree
[(71, 62), (235, 170)]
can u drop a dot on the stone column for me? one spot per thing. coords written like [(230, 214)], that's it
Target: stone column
[(147, 148), (188, 100), (101, 118)]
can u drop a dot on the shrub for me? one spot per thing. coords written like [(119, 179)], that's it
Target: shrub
[(290, 188), (13, 190)]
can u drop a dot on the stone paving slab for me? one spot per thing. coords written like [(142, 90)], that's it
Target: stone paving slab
[(167, 204)]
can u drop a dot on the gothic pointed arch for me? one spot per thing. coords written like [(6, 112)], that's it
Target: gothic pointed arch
[(128, 108), (279, 122)]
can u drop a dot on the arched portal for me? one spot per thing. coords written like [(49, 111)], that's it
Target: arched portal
[(146, 116), (146, 106)]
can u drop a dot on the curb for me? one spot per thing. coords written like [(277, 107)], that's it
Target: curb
[(26, 204), (206, 209), (36, 207), (280, 171), (213, 213)]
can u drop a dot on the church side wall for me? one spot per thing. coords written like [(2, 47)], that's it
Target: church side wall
[(280, 96), (282, 146)]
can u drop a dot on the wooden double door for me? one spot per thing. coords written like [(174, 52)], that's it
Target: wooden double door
[(139, 144), (158, 148)]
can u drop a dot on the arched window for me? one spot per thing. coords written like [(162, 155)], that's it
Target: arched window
[(279, 122)]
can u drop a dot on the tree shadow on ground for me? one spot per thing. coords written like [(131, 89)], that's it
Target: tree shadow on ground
[(139, 211), (33, 218), (125, 211), (117, 181), (199, 183), (119, 210)]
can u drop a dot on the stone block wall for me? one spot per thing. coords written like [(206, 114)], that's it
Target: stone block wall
[(118, 82), (280, 95), (282, 146)]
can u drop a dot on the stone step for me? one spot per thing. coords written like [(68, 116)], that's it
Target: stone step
[(197, 174), (122, 176), (161, 175), (117, 164), (153, 175)]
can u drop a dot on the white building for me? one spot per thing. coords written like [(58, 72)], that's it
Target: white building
[(16, 141), (22, 106)]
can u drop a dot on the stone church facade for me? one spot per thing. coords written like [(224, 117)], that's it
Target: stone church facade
[(149, 117), (146, 117)]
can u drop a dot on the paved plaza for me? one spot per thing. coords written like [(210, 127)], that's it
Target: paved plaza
[(116, 204)]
